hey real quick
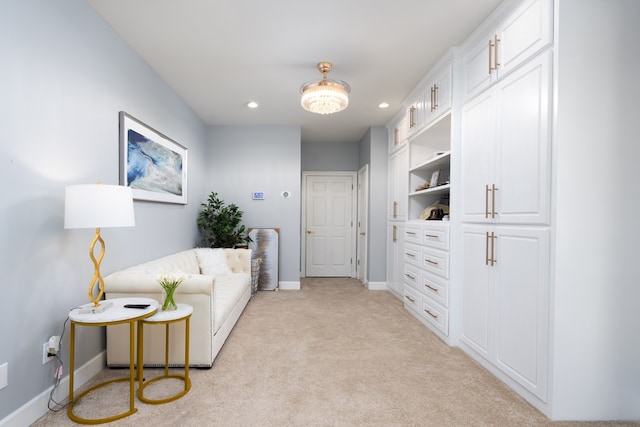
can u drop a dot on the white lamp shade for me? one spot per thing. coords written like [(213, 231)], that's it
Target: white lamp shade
[(98, 206)]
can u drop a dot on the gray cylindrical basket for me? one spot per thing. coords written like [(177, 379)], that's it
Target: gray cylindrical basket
[(255, 274)]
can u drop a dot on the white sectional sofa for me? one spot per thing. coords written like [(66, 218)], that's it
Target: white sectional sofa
[(217, 284)]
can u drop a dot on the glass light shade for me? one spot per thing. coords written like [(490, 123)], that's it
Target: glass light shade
[(325, 96), (98, 206)]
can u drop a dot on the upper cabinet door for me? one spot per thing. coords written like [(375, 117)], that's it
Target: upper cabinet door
[(523, 33), (505, 149), (438, 95)]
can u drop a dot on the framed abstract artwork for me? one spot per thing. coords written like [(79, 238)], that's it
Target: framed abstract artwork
[(153, 165), (264, 244)]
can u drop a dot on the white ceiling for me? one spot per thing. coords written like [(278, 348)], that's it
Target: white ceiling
[(220, 54)]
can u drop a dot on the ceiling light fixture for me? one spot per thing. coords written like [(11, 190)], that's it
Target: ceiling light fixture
[(325, 96), (383, 105), (252, 104)]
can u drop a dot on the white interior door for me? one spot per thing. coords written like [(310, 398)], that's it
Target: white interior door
[(329, 225), (363, 209)]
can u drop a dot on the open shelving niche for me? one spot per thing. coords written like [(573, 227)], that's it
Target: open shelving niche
[(430, 151)]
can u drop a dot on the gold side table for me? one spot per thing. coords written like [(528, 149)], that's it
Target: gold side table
[(114, 315), (182, 313)]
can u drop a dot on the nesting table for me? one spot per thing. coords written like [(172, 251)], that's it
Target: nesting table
[(182, 313), (115, 315)]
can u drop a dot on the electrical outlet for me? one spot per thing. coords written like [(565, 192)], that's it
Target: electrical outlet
[(45, 354)]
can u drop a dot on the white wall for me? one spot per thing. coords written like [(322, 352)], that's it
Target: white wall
[(596, 366), (64, 76), (244, 159)]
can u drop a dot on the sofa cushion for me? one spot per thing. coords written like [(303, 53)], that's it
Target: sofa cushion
[(227, 291), (213, 262)]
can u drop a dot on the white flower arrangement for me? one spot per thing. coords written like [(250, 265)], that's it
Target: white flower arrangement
[(169, 282)]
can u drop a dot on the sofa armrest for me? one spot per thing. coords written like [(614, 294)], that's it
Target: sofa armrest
[(140, 283)]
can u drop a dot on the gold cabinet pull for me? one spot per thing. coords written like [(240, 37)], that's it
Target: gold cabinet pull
[(426, 285), (411, 233), (493, 200), (435, 98), (412, 121), (410, 277), (486, 201), (410, 255), (435, 316), (362, 233), (486, 248), (493, 243), (396, 133), (431, 236), (409, 298), (431, 262), (496, 63), (395, 233), (490, 258), (490, 57), (395, 209)]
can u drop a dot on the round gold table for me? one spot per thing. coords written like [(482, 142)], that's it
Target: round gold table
[(116, 314), (182, 313)]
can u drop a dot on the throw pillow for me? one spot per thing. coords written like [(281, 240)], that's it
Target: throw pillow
[(213, 262)]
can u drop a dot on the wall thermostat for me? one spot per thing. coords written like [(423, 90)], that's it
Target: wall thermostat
[(285, 194), (258, 195)]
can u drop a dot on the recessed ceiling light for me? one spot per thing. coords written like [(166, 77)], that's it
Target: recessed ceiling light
[(252, 104), (383, 105)]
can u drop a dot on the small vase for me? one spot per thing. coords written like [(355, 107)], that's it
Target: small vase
[(168, 303)]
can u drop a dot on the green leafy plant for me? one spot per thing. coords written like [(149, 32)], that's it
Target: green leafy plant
[(220, 224)]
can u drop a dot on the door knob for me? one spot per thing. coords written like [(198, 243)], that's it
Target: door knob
[(309, 232)]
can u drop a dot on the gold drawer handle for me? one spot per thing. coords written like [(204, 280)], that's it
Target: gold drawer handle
[(411, 233), (431, 287), (409, 298), (409, 255), (409, 276), (431, 262), (435, 316), (431, 236)]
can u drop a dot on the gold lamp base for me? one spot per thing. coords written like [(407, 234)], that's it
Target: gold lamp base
[(96, 273)]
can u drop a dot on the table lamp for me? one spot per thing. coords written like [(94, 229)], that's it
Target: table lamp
[(98, 206)]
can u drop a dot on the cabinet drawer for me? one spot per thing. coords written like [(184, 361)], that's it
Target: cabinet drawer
[(412, 234), (435, 261), (436, 237), (436, 316), (412, 276), (412, 299), (412, 254), (436, 288)]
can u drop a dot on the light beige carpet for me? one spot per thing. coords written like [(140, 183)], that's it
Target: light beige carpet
[(331, 354)]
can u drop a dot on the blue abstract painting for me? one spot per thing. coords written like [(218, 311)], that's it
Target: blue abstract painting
[(151, 166)]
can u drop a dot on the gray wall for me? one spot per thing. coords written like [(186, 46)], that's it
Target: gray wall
[(330, 156), (64, 76), (244, 159), (373, 151)]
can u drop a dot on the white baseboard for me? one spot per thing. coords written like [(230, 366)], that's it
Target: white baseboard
[(377, 286), (289, 286), (31, 411)]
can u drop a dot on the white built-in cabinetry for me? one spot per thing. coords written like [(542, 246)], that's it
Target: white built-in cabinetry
[(505, 197), (420, 139)]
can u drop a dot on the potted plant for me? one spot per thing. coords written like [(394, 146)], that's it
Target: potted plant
[(219, 224)]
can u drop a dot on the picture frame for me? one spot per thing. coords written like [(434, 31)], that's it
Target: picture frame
[(435, 177), (151, 164), (264, 245)]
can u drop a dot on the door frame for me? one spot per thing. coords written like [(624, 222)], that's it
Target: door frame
[(362, 253), (303, 220)]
